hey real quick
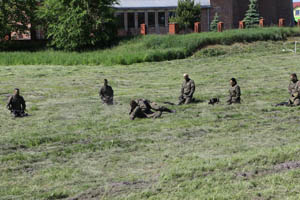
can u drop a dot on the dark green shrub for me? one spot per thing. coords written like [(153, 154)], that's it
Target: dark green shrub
[(214, 23), (252, 16), (213, 52)]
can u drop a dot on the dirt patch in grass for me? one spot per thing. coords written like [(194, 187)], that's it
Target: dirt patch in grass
[(276, 169), (287, 166)]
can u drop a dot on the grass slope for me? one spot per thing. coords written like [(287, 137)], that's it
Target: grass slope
[(74, 147), (147, 49)]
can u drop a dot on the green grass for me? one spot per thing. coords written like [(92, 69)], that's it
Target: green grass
[(147, 49), (73, 146)]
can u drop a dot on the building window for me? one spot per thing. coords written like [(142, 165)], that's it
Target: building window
[(40, 34), (297, 12), (120, 20), (171, 14), (151, 19), (141, 18), (130, 20), (161, 19)]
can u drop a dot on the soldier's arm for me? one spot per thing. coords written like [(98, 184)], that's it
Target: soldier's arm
[(132, 109), (8, 105), (182, 90), (290, 89), (134, 113), (229, 100), (297, 91), (192, 88), (237, 92), (23, 104), (296, 94), (101, 93)]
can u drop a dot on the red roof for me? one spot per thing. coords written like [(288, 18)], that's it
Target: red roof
[(296, 4)]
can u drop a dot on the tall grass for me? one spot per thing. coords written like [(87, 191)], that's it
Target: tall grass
[(147, 49)]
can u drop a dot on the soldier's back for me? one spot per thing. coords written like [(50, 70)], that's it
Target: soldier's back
[(17, 101)]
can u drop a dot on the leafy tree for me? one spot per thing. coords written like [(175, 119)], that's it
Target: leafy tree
[(252, 16), (16, 15), (187, 13), (214, 23), (73, 24)]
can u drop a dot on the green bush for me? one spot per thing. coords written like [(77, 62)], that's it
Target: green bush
[(147, 49), (252, 16), (213, 52), (88, 23), (187, 13), (214, 23)]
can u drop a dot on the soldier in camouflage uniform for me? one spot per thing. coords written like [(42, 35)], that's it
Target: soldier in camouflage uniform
[(106, 93), (187, 90), (294, 91), (143, 108), (16, 104), (234, 92)]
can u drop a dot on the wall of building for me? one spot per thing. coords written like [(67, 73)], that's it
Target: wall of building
[(205, 19), (285, 10), (270, 10), (235, 10), (229, 11), (224, 10), (157, 28), (239, 9)]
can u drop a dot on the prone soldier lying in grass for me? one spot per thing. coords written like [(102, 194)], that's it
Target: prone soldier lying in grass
[(143, 108)]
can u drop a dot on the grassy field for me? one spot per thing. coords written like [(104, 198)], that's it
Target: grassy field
[(73, 147), (148, 48)]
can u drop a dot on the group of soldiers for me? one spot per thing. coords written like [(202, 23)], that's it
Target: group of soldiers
[(139, 108), (143, 108)]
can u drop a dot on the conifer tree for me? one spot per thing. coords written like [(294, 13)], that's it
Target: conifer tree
[(214, 23), (252, 16), (187, 13)]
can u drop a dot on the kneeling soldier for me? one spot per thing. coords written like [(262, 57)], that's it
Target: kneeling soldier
[(16, 104), (143, 108), (187, 90), (106, 93), (234, 92), (294, 90)]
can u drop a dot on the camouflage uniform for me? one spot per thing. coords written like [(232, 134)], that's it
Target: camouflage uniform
[(16, 104), (107, 94), (234, 94), (187, 92), (294, 90), (144, 107)]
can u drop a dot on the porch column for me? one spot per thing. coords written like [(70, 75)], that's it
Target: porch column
[(126, 21), (146, 18), (136, 20), (156, 22), (166, 18)]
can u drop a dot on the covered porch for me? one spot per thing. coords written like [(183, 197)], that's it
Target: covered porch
[(155, 14)]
